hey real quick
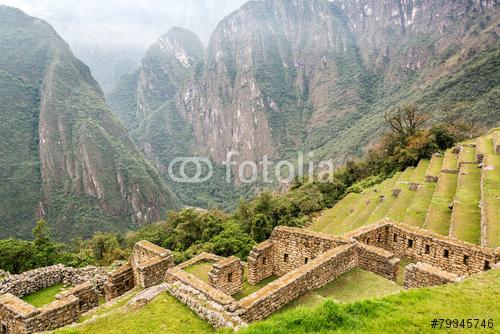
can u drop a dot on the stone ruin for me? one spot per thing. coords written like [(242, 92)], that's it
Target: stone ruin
[(305, 260), (227, 275), (17, 316), (302, 260), (146, 268)]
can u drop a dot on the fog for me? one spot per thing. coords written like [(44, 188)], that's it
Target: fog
[(112, 35)]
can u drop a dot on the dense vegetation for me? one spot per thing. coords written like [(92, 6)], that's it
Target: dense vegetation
[(192, 231)]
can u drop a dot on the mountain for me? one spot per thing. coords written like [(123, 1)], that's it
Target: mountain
[(282, 76), (64, 156)]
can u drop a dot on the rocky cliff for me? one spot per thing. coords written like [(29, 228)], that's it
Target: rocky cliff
[(281, 76), (64, 156)]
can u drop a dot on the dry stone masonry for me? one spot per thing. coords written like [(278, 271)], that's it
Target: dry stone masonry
[(150, 262), (455, 256), (227, 275), (302, 260), (306, 260), (421, 275), (41, 278), (147, 267)]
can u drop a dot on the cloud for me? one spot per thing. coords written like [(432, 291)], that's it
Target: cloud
[(125, 23)]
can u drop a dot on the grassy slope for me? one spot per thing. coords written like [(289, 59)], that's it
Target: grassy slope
[(382, 209), (418, 208), (355, 209), (43, 297), (491, 186), (334, 216), (163, 315), (439, 215), (352, 286), (200, 269), (408, 312), (399, 209), (466, 216)]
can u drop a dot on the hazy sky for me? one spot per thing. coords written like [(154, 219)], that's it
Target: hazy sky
[(126, 22), (111, 36)]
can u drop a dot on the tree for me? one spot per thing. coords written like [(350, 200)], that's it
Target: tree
[(106, 248), (41, 233), (444, 137), (405, 121), (232, 241)]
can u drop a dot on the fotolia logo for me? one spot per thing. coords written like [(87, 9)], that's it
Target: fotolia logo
[(201, 169)]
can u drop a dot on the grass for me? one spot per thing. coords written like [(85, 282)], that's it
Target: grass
[(467, 154), (450, 161), (490, 195), (109, 308), (407, 312), (163, 315), (438, 216), (248, 289), (466, 217), (435, 165), (333, 217), (44, 296), (354, 210), (200, 269), (370, 201), (399, 208), (417, 211), (382, 209), (356, 284)]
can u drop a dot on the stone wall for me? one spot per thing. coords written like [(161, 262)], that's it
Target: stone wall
[(144, 251), (378, 261), (422, 275), (119, 281), (227, 275), (316, 273), (200, 258), (149, 263), (17, 316), (415, 244), (60, 313), (211, 304), (14, 312), (260, 262), (41, 278), (294, 247), (87, 294)]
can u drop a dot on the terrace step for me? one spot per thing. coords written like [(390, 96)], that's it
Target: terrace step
[(490, 191), (398, 210), (438, 217), (385, 204), (466, 215), (417, 211)]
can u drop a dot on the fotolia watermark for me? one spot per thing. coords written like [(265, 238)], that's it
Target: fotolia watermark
[(201, 169)]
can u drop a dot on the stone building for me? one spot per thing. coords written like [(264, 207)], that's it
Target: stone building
[(305, 260), (146, 268), (302, 260)]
